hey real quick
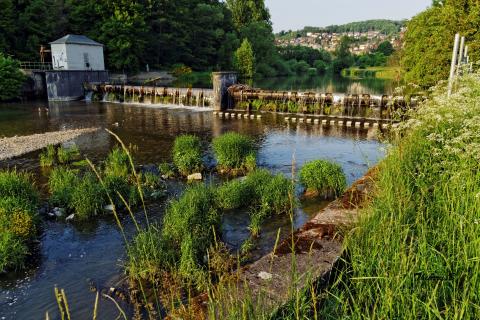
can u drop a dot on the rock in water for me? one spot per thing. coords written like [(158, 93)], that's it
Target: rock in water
[(265, 275), (195, 176)]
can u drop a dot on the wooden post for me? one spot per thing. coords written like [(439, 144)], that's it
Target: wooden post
[(221, 82), (460, 56), (454, 63)]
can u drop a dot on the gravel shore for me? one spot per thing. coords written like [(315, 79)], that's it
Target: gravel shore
[(16, 146)]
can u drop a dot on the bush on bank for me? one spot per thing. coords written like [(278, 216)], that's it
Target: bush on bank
[(234, 151), (416, 248), (11, 78), (324, 178), (18, 218), (187, 154)]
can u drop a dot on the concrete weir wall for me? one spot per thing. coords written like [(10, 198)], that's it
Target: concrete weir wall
[(221, 82), (68, 85)]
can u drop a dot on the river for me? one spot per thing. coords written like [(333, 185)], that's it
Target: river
[(72, 256)]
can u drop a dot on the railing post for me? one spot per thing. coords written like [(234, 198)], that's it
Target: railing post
[(454, 64)]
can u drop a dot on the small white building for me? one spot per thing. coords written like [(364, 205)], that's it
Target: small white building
[(77, 52)]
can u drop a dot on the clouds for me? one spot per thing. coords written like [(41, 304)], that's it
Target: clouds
[(288, 14)]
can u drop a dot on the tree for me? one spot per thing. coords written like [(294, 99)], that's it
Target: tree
[(343, 56), (246, 12), (386, 48), (245, 60), (428, 41), (7, 25), (11, 78)]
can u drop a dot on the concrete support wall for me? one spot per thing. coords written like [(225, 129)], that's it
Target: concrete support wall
[(221, 82), (68, 85), (35, 86)]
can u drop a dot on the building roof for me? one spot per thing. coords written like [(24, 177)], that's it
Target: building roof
[(76, 39)]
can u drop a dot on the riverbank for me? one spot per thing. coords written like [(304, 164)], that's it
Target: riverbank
[(384, 73), (16, 146), (416, 248)]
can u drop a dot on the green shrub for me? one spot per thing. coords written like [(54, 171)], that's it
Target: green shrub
[(149, 254), (18, 217), (88, 197), (233, 151), (277, 196), (18, 184), (67, 155), (13, 252), (61, 183), (324, 177), (192, 217), (11, 78), (187, 154), (48, 156), (117, 163)]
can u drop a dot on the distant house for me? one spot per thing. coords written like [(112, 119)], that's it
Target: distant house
[(77, 52)]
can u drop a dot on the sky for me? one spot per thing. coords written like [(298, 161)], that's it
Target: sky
[(296, 14)]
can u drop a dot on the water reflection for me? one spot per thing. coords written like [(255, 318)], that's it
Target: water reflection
[(327, 83)]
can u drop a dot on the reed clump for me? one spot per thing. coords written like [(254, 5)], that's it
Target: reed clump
[(18, 218), (52, 155), (234, 152), (262, 192), (187, 154), (80, 192), (323, 178)]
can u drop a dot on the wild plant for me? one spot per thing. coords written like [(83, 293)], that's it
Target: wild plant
[(323, 177), (187, 154), (234, 151)]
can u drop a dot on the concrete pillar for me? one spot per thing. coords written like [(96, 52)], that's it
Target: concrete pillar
[(221, 82)]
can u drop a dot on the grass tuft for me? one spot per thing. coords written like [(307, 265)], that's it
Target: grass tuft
[(234, 151), (187, 154), (324, 178)]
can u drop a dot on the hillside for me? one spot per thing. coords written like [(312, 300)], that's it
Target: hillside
[(387, 27)]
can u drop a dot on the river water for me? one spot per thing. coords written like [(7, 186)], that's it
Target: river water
[(71, 256)]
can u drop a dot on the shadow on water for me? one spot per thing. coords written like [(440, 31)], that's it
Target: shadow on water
[(74, 257)]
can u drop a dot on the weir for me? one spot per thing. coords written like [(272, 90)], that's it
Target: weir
[(227, 95)]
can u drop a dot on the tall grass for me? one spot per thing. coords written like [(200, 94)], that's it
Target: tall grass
[(324, 178), (187, 154), (415, 253), (234, 151), (18, 218)]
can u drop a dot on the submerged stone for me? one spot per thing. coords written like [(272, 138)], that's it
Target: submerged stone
[(195, 176)]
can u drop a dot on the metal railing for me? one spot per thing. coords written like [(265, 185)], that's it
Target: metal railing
[(35, 66)]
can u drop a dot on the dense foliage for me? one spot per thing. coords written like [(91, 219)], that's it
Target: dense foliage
[(244, 60), (198, 33), (429, 39), (11, 78)]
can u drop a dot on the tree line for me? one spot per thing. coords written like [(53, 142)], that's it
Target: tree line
[(428, 42)]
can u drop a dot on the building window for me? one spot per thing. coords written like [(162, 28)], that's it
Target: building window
[(86, 60)]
